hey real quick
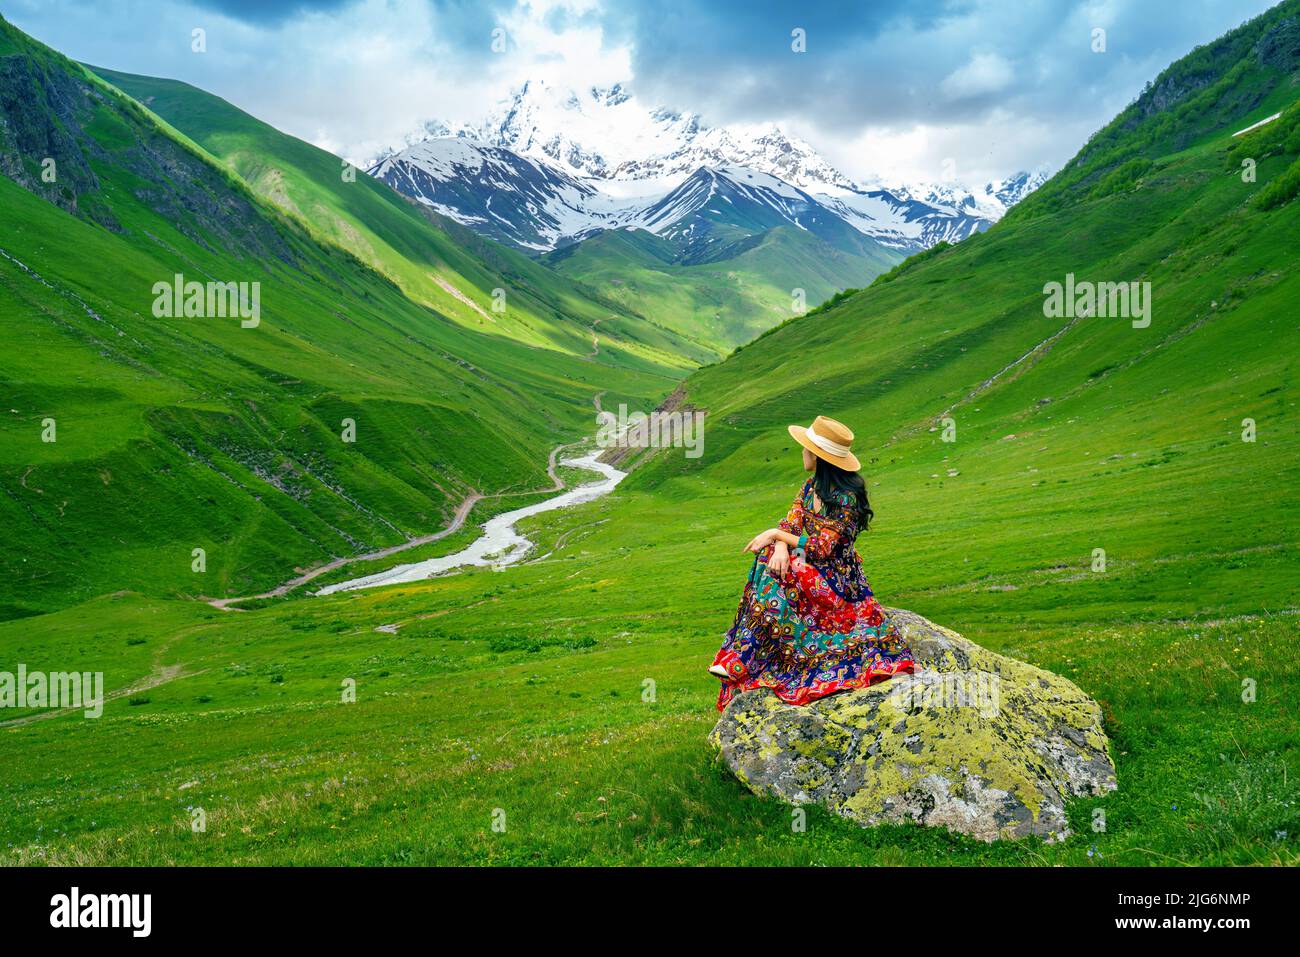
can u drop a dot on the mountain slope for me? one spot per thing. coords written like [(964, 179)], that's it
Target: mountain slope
[(726, 301), (535, 205), (434, 260), (898, 221), (1072, 433), (734, 253), (132, 438), (715, 209)]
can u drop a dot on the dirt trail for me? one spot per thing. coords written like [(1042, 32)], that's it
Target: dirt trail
[(160, 675), (595, 339)]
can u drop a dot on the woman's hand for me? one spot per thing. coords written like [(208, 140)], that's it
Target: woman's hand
[(779, 563), (761, 541)]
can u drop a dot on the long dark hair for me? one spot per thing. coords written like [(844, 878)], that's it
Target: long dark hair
[(831, 481)]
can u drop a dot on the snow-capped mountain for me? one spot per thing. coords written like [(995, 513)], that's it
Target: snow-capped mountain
[(1007, 192), (716, 208), (553, 165), (496, 192), (904, 223), (608, 134), (990, 202)]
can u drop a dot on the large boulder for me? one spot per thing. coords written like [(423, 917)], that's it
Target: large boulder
[(972, 741)]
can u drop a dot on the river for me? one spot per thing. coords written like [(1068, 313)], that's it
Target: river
[(500, 544)]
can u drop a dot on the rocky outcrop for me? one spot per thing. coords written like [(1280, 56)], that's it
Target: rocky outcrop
[(973, 741)]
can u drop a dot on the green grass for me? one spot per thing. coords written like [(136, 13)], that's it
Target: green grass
[(523, 691), (542, 714)]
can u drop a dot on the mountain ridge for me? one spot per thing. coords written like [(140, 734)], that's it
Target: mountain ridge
[(607, 161)]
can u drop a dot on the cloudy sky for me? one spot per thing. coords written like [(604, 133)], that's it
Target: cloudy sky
[(902, 89)]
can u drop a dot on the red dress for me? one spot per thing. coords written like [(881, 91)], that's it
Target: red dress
[(820, 629)]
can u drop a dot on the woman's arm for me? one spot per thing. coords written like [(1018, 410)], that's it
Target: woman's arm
[(781, 542), (787, 531), (825, 535), (772, 535)]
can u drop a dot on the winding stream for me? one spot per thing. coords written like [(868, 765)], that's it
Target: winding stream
[(500, 544)]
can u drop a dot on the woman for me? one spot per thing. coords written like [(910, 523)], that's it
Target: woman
[(808, 625)]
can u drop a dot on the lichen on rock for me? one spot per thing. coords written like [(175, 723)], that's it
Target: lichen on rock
[(972, 741)]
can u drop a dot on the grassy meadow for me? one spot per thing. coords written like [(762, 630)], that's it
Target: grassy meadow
[(570, 694)]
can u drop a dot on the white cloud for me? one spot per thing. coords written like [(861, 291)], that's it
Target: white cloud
[(971, 153), (983, 74), (578, 56)]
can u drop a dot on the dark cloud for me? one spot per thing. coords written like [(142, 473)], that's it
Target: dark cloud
[(467, 19), (269, 11), (888, 61)]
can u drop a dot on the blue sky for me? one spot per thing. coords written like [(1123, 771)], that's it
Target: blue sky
[(905, 89)]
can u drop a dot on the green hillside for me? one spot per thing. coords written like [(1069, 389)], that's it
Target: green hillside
[(727, 301), (568, 696), (434, 260), (173, 434)]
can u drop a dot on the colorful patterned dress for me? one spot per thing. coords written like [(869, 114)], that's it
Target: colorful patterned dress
[(819, 630)]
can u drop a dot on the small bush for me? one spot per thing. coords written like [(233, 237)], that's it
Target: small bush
[(1123, 177), (1281, 190)]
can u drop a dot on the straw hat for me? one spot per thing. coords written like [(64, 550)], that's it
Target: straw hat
[(828, 440)]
